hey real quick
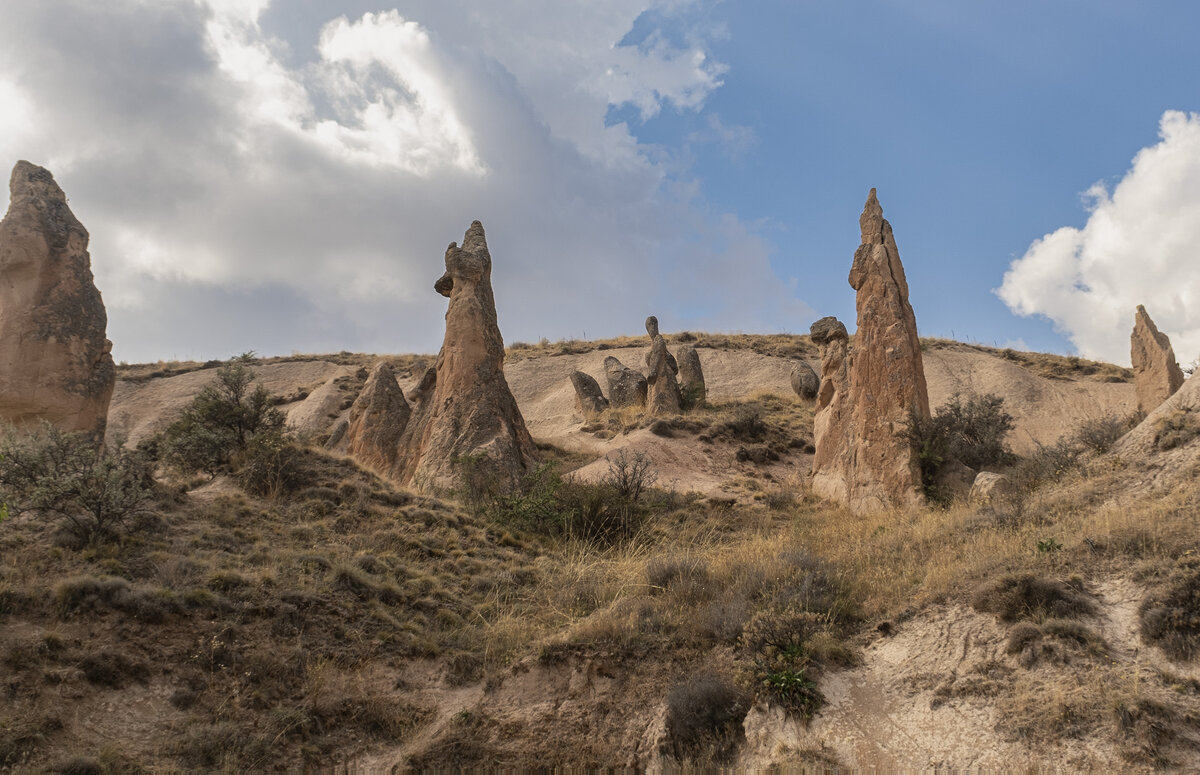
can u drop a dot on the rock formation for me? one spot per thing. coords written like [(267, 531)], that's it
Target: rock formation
[(991, 490), (691, 377), (1156, 373), (664, 396), (831, 419), (462, 409), (55, 360), (377, 421), (871, 465), (588, 397), (626, 387), (805, 381)]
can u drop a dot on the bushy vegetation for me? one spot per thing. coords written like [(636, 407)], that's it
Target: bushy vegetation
[(971, 430), (221, 421), (96, 492), (1171, 615), (704, 719)]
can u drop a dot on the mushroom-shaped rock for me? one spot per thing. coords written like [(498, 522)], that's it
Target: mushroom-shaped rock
[(626, 387), (1156, 373), (55, 360), (377, 421), (664, 396), (588, 398), (805, 381), (873, 466), (691, 377), (464, 409)]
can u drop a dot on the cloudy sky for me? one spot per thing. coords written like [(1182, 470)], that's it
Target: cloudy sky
[(284, 175)]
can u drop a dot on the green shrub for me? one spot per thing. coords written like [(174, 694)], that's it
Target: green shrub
[(778, 644), (270, 464), (96, 492), (971, 431), (221, 421)]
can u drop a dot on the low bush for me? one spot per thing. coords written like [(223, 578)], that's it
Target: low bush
[(1175, 430), (971, 430), (96, 492), (704, 719), (1019, 597), (778, 645), (1170, 617)]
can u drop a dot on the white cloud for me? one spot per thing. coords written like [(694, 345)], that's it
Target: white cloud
[(1139, 246), (252, 187)]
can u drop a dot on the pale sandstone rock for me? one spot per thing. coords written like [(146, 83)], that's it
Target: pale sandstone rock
[(873, 466), (55, 360), (626, 387), (663, 396), (1156, 373), (465, 408), (805, 381), (990, 490), (377, 421), (691, 376), (588, 398), (831, 418)]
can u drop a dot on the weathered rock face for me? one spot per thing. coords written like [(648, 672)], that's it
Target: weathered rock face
[(377, 421), (626, 387), (1156, 373), (691, 376), (55, 360), (831, 419), (991, 490), (465, 408), (664, 396), (805, 381), (872, 466), (588, 397)]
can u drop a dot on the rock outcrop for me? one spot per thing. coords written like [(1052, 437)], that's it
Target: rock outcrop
[(588, 397), (805, 381), (872, 466), (991, 490), (664, 396), (1156, 373), (691, 377), (55, 360), (831, 418), (377, 421), (462, 409), (626, 387)]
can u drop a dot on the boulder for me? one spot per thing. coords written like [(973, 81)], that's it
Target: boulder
[(663, 396), (991, 490), (588, 398), (805, 381), (377, 421), (691, 377), (870, 465), (55, 359), (954, 481), (1156, 372), (626, 387)]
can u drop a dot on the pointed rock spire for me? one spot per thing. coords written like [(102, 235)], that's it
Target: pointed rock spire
[(1156, 372)]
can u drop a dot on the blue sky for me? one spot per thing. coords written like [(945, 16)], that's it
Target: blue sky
[(283, 175)]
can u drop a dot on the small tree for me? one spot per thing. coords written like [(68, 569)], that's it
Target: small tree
[(971, 430), (221, 420), (66, 474)]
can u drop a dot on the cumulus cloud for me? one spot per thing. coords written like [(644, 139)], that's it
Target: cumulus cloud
[(1137, 247), (257, 179)]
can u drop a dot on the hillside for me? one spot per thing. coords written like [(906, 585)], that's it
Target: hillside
[(724, 616)]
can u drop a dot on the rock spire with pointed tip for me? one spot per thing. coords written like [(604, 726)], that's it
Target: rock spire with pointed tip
[(55, 358), (1156, 372)]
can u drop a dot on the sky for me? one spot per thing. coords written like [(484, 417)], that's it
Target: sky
[(284, 175)]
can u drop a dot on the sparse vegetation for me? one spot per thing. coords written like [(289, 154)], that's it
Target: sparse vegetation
[(971, 430), (704, 719), (95, 492), (1175, 430), (1170, 616)]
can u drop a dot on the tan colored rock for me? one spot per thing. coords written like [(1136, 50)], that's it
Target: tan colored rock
[(377, 421), (832, 413), (954, 481), (872, 466), (588, 398), (55, 360), (991, 490), (691, 376), (465, 408), (626, 387), (805, 382), (1156, 373), (663, 395)]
